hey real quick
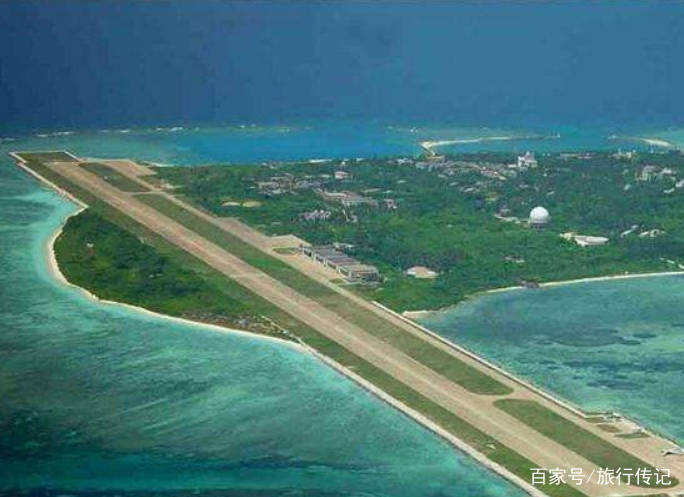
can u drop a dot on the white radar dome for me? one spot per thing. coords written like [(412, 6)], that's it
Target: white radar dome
[(539, 216)]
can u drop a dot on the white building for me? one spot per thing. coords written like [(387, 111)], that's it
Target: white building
[(421, 272), (527, 160), (585, 240), (539, 217)]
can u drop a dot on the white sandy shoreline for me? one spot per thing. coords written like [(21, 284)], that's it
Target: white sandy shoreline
[(55, 271), (589, 280), (416, 416), (423, 313), (653, 141)]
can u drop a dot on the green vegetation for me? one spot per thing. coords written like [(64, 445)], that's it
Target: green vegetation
[(636, 434), (608, 427), (286, 250), (477, 439), (167, 256), (565, 432), (444, 216), (495, 451), (52, 156), (115, 265), (596, 419), (433, 357), (115, 178)]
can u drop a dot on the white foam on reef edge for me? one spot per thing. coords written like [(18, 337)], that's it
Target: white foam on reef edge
[(429, 145), (654, 142), (55, 271), (302, 347)]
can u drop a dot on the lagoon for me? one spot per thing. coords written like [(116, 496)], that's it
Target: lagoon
[(612, 345)]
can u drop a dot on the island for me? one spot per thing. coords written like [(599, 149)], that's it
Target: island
[(324, 254), (440, 229)]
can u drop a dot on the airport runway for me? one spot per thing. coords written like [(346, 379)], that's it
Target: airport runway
[(477, 410)]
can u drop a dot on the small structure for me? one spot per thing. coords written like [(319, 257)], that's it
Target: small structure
[(585, 240), (631, 230), (389, 203), (539, 217), (315, 215), (647, 173), (359, 273), (347, 198), (527, 160), (435, 158), (651, 233), (673, 451), (629, 155), (350, 268), (341, 175), (421, 272)]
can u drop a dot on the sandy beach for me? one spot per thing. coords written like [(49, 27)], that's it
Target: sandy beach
[(586, 280), (468, 406), (423, 313), (55, 271), (656, 142), (429, 145)]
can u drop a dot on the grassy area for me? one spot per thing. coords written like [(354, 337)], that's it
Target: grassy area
[(115, 178), (53, 156), (417, 348), (441, 214), (565, 432), (608, 427), (153, 180), (115, 265), (639, 434), (495, 451), (286, 250)]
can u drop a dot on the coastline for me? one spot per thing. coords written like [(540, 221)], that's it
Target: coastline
[(430, 145), (454, 440), (412, 317), (54, 270), (590, 279), (423, 313), (653, 141)]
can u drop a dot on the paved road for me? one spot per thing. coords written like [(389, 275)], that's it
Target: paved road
[(476, 409)]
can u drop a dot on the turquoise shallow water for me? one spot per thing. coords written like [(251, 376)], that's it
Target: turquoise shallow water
[(97, 398), (612, 345), (322, 139)]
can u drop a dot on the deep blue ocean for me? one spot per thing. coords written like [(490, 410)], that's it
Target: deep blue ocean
[(100, 400), (90, 65)]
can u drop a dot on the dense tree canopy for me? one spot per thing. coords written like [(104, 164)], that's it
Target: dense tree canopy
[(445, 216)]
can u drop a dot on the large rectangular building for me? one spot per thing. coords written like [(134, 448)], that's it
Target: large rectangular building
[(351, 269)]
